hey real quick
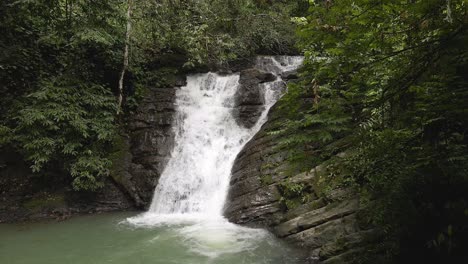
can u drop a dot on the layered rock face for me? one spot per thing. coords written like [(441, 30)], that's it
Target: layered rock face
[(327, 226), (249, 100), (152, 140), (148, 146)]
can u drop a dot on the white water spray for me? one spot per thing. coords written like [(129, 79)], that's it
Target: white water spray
[(207, 140)]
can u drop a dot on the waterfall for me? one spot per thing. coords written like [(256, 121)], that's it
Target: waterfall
[(207, 140), (195, 181)]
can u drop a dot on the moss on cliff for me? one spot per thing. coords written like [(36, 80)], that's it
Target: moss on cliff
[(45, 201)]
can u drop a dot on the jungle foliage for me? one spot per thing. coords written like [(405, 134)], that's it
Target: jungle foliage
[(390, 78), (61, 61)]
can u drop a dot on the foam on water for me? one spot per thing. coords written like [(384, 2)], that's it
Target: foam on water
[(214, 238)]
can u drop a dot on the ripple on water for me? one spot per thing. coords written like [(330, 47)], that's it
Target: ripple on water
[(203, 235)]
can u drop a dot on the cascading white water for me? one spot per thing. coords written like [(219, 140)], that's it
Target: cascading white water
[(207, 140), (194, 185)]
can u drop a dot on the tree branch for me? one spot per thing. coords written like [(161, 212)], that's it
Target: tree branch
[(125, 60)]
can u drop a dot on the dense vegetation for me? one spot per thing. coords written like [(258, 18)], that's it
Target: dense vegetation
[(63, 76), (389, 79)]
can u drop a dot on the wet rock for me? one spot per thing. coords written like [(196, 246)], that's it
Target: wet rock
[(151, 139), (249, 98), (256, 172), (289, 75), (317, 217)]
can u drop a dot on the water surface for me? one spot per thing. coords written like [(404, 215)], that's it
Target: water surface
[(110, 238)]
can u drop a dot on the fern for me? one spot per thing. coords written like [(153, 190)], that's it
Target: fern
[(70, 123)]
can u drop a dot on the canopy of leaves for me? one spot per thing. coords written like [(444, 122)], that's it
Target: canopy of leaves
[(215, 31), (58, 61)]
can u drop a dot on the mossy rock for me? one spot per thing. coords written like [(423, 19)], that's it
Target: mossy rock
[(266, 179), (45, 201), (118, 157), (163, 77)]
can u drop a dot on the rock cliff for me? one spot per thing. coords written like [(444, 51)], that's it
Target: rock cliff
[(328, 225), (148, 145)]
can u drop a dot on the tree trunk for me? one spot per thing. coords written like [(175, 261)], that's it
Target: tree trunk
[(125, 60)]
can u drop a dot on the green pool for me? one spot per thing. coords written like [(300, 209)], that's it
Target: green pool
[(110, 238)]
